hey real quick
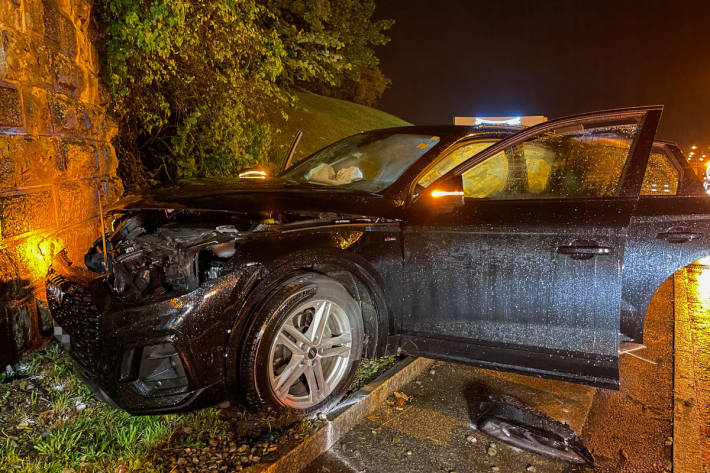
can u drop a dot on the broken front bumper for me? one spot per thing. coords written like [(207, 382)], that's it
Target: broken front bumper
[(164, 354)]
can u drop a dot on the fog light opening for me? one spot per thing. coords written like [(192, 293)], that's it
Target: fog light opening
[(161, 371)]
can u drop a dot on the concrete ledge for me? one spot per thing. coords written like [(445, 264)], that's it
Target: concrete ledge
[(345, 416), (686, 416)]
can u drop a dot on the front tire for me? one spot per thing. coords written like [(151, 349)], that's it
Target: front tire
[(303, 348)]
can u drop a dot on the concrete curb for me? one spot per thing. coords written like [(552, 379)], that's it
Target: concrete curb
[(686, 421), (345, 416)]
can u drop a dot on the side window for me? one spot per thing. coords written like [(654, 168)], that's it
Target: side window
[(453, 159), (661, 176), (581, 161)]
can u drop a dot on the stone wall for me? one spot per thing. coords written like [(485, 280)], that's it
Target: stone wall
[(56, 160)]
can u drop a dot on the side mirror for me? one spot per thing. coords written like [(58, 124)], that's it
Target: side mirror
[(444, 196)]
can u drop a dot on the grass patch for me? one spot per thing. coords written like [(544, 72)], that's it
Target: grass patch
[(51, 423), (324, 120), (369, 369)]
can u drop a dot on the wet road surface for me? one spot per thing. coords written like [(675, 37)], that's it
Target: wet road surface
[(695, 287), (629, 430)]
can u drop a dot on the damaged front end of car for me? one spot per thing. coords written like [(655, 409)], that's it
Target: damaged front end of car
[(149, 257), (138, 322)]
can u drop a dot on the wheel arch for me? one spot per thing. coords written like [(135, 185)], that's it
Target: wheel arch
[(637, 298), (353, 272)]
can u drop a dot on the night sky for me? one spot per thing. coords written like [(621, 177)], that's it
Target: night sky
[(552, 58)]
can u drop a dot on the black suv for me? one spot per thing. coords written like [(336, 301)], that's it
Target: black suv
[(533, 250)]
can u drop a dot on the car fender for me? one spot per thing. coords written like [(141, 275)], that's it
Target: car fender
[(346, 267), (649, 260)]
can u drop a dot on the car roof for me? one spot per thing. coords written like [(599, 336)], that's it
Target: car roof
[(451, 130), (465, 130)]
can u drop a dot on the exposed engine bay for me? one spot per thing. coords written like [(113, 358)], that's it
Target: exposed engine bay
[(153, 253)]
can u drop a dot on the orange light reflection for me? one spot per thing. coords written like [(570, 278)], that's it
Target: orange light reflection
[(36, 253), (253, 174), (438, 193)]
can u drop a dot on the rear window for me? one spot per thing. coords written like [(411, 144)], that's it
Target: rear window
[(662, 177)]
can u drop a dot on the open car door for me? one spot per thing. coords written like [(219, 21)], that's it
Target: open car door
[(524, 272)]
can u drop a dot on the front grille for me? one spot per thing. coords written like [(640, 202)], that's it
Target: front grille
[(74, 311)]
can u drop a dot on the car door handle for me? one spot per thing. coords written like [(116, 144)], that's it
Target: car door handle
[(678, 236), (584, 251)]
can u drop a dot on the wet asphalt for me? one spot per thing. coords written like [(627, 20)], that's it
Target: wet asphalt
[(696, 280), (629, 430)]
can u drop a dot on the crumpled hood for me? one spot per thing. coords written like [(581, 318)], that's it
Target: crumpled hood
[(257, 197)]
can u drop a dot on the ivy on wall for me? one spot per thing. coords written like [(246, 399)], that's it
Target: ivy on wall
[(193, 82)]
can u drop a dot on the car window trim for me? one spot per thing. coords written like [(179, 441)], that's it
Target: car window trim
[(642, 145)]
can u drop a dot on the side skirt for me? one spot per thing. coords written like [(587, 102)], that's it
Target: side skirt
[(581, 368)]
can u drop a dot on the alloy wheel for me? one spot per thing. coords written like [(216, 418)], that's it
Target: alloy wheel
[(311, 353)]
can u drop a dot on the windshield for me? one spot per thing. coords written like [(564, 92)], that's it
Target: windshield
[(369, 162)]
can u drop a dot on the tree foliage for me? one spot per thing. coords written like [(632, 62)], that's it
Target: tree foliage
[(347, 22), (191, 80)]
